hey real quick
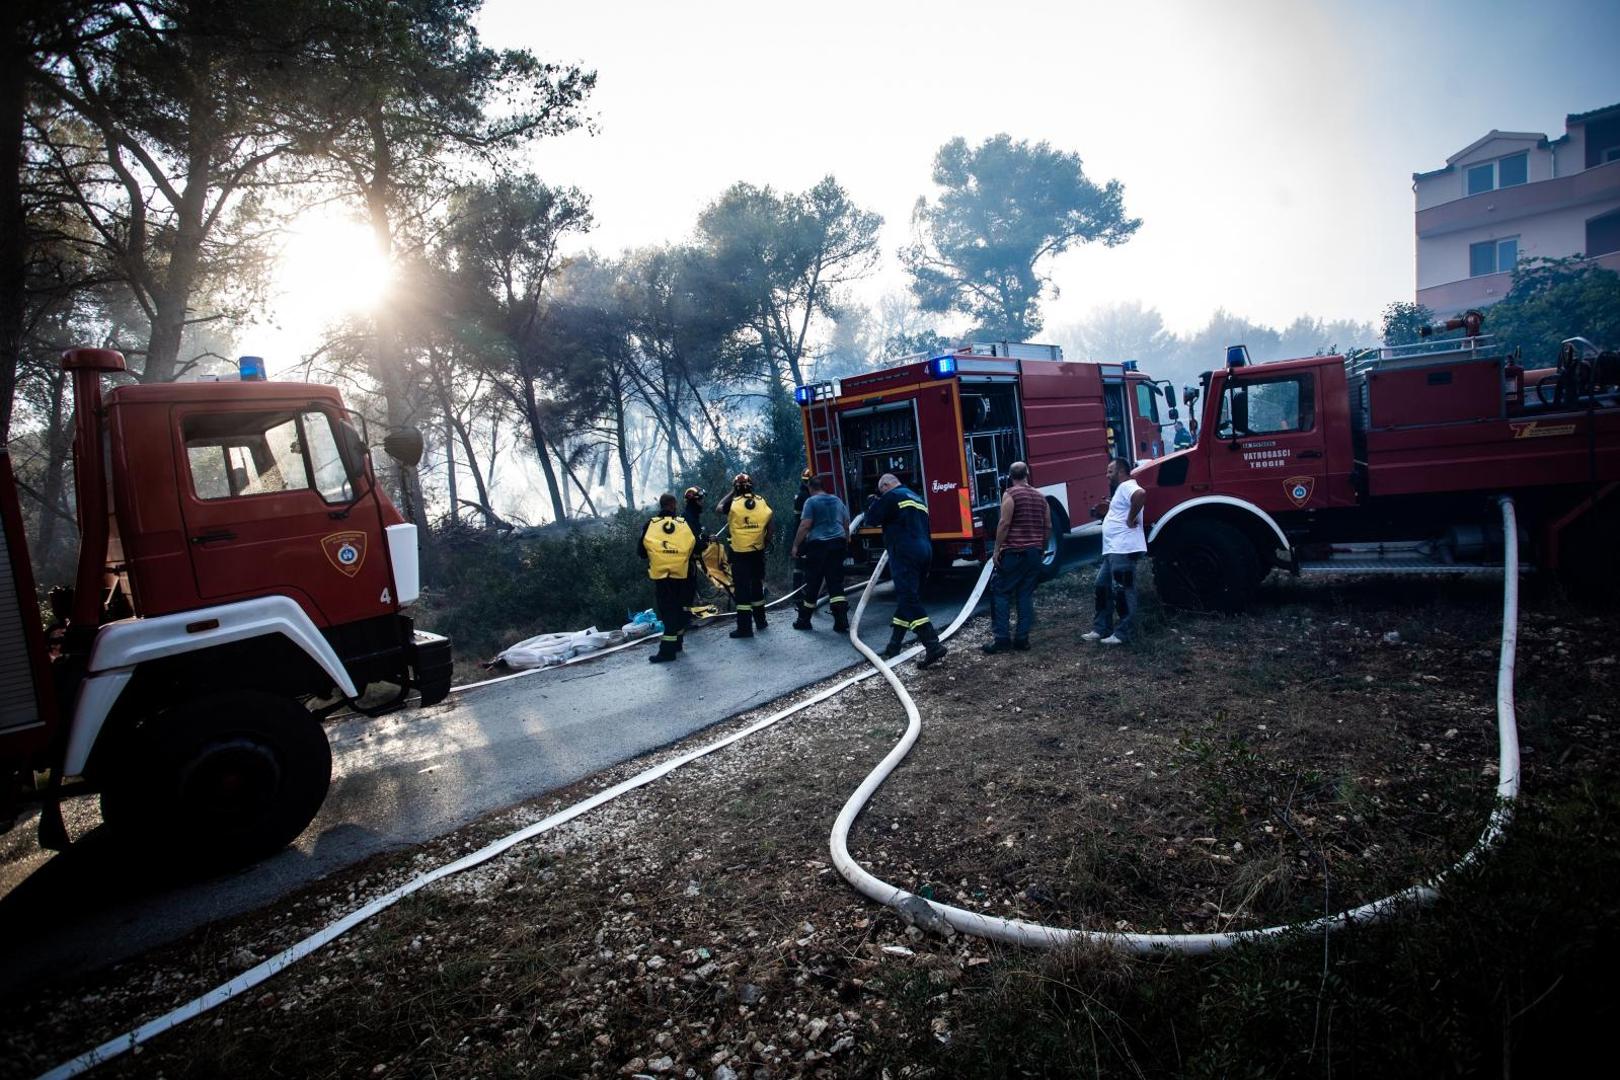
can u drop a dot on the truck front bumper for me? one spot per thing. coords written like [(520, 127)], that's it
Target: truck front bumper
[(431, 665)]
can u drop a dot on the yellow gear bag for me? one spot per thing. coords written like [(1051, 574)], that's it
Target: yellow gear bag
[(748, 516), (668, 542)]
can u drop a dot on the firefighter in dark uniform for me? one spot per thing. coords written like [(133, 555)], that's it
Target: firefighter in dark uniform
[(903, 516), (749, 517), (800, 563), (667, 544), (692, 513)]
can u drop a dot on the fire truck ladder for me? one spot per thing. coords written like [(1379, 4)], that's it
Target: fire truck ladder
[(823, 431)]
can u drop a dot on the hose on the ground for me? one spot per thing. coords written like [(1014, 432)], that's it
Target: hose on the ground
[(933, 915), (286, 958)]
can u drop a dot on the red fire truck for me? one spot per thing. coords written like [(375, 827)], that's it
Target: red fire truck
[(238, 567), (949, 425), (1387, 462)]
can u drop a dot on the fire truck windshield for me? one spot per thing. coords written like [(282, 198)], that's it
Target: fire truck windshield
[(238, 454)]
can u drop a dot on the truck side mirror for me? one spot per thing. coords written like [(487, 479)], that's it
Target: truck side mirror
[(404, 445), (1173, 414), (1239, 398)]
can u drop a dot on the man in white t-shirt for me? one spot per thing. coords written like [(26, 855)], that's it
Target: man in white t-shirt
[(1124, 542)]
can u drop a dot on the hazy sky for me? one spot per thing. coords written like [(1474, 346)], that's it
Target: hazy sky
[(1267, 146)]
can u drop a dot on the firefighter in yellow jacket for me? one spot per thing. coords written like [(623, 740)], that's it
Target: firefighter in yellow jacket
[(749, 517), (667, 544)]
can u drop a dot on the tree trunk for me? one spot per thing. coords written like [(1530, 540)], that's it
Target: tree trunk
[(450, 471), (13, 226), (537, 435), (621, 439), (173, 296), (387, 367), (58, 443)]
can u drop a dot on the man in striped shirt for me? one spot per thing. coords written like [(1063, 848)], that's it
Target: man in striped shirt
[(1021, 533)]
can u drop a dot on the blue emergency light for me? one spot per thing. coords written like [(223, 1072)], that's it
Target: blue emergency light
[(1129, 365), (804, 395), (251, 367), (942, 367)]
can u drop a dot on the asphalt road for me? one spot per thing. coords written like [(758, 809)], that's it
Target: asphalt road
[(415, 775)]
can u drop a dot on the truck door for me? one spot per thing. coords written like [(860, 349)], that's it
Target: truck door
[(1268, 442), (1145, 421), (269, 507)]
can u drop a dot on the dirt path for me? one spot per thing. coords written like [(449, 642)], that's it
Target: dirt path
[(1228, 773)]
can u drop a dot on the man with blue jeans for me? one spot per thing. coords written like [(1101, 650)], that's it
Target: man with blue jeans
[(1124, 542), (1021, 534)]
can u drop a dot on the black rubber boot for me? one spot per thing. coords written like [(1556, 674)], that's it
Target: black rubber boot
[(840, 614), (745, 624), (930, 639), (665, 653), (803, 621), (759, 616), (680, 641), (897, 638)]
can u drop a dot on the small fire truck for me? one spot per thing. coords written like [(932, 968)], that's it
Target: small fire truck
[(240, 575), (948, 426), (1388, 462)]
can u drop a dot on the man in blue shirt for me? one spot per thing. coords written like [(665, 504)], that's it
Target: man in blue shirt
[(903, 517), (821, 543)]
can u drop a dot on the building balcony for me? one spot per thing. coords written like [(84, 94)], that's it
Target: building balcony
[(1505, 205), (1453, 297)]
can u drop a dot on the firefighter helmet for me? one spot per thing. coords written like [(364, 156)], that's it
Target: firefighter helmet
[(805, 476), (693, 492), (743, 482)]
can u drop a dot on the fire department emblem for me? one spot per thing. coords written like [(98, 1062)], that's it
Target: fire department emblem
[(1299, 488), (346, 551)]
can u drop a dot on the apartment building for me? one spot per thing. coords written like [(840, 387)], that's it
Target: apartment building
[(1512, 195)]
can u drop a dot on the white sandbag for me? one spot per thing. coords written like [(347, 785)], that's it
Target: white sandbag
[(546, 650)]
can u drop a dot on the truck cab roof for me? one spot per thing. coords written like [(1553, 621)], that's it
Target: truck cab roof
[(223, 390)]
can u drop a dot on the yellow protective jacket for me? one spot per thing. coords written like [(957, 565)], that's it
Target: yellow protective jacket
[(667, 545), (748, 516)]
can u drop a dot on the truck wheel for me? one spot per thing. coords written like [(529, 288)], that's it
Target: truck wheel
[(1207, 566), (1054, 543), (223, 779)]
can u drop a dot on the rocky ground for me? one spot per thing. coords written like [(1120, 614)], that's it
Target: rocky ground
[(1324, 750)]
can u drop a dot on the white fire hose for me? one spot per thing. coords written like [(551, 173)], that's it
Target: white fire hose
[(933, 915), (268, 969), (913, 908)]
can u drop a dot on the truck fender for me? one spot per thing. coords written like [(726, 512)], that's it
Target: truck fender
[(1058, 493), (123, 646), (1222, 500)]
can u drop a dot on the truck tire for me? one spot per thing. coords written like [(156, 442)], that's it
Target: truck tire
[(220, 780), (1051, 558), (1207, 566)]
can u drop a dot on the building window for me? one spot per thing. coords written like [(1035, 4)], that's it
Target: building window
[(1611, 154), (1603, 234), (1493, 256), (1504, 172)]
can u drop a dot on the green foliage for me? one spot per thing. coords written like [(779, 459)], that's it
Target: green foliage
[(1006, 208), (494, 590), (784, 257), (1404, 321), (1554, 299)]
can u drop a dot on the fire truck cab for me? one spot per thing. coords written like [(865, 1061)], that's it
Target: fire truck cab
[(240, 574), (948, 426), (1386, 462)]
